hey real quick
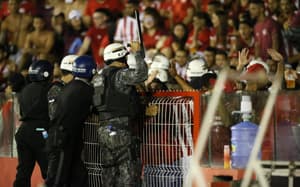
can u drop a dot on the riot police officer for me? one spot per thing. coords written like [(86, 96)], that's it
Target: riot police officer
[(57, 86), (116, 101), (65, 134), (35, 122)]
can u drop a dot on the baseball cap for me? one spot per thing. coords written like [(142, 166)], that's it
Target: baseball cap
[(74, 14)]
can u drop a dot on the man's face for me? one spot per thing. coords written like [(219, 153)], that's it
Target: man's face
[(221, 60), (99, 19), (209, 58), (245, 31), (179, 31), (129, 9), (254, 10), (38, 23), (13, 6), (285, 6), (181, 57)]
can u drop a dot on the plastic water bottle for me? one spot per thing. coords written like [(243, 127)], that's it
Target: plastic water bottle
[(243, 136), (242, 139)]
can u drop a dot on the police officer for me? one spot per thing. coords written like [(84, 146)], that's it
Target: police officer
[(116, 101), (65, 135), (35, 122), (57, 86)]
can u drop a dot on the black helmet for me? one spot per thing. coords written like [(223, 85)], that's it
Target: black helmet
[(40, 70)]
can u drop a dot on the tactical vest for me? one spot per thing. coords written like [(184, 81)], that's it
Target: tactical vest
[(53, 94), (113, 102)]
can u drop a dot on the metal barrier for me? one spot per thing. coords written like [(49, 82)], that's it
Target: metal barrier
[(168, 142)]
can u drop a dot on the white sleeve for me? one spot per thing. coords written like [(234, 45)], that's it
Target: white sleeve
[(119, 30)]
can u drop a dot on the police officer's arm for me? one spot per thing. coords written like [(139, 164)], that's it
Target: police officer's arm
[(141, 71)]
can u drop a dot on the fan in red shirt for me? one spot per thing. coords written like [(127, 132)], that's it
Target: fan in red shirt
[(115, 6), (246, 36), (152, 28), (97, 36), (221, 31), (198, 39), (177, 11), (175, 41), (267, 31)]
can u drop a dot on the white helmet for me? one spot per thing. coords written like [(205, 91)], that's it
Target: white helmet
[(162, 75), (131, 61), (67, 62), (160, 62), (114, 51), (196, 68)]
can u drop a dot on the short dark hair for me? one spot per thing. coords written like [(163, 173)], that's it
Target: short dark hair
[(211, 49), (221, 52), (257, 2), (134, 2), (104, 11)]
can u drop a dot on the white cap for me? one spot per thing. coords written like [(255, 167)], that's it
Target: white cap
[(67, 62), (246, 104), (74, 14)]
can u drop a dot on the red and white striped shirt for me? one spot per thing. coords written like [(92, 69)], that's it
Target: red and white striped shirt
[(127, 30)]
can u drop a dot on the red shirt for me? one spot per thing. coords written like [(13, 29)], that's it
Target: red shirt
[(99, 39), (177, 7), (263, 35), (219, 44), (202, 38), (114, 6), (151, 40)]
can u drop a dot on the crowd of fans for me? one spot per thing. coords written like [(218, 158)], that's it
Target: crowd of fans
[(192, 41)]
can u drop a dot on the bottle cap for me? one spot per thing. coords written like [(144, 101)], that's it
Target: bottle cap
[(246, 104)]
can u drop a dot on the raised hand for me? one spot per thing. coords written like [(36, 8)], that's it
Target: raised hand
[(275, 55)]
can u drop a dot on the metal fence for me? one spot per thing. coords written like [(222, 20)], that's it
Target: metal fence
[(168, 142)]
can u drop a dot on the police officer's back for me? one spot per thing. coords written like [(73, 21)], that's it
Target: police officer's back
[(116, 101), (65, 140), (66, 66), (35, 122)]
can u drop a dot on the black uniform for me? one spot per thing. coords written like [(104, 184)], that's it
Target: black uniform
[(53, 94), (29, 139), (116, 104), (65, 136)]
